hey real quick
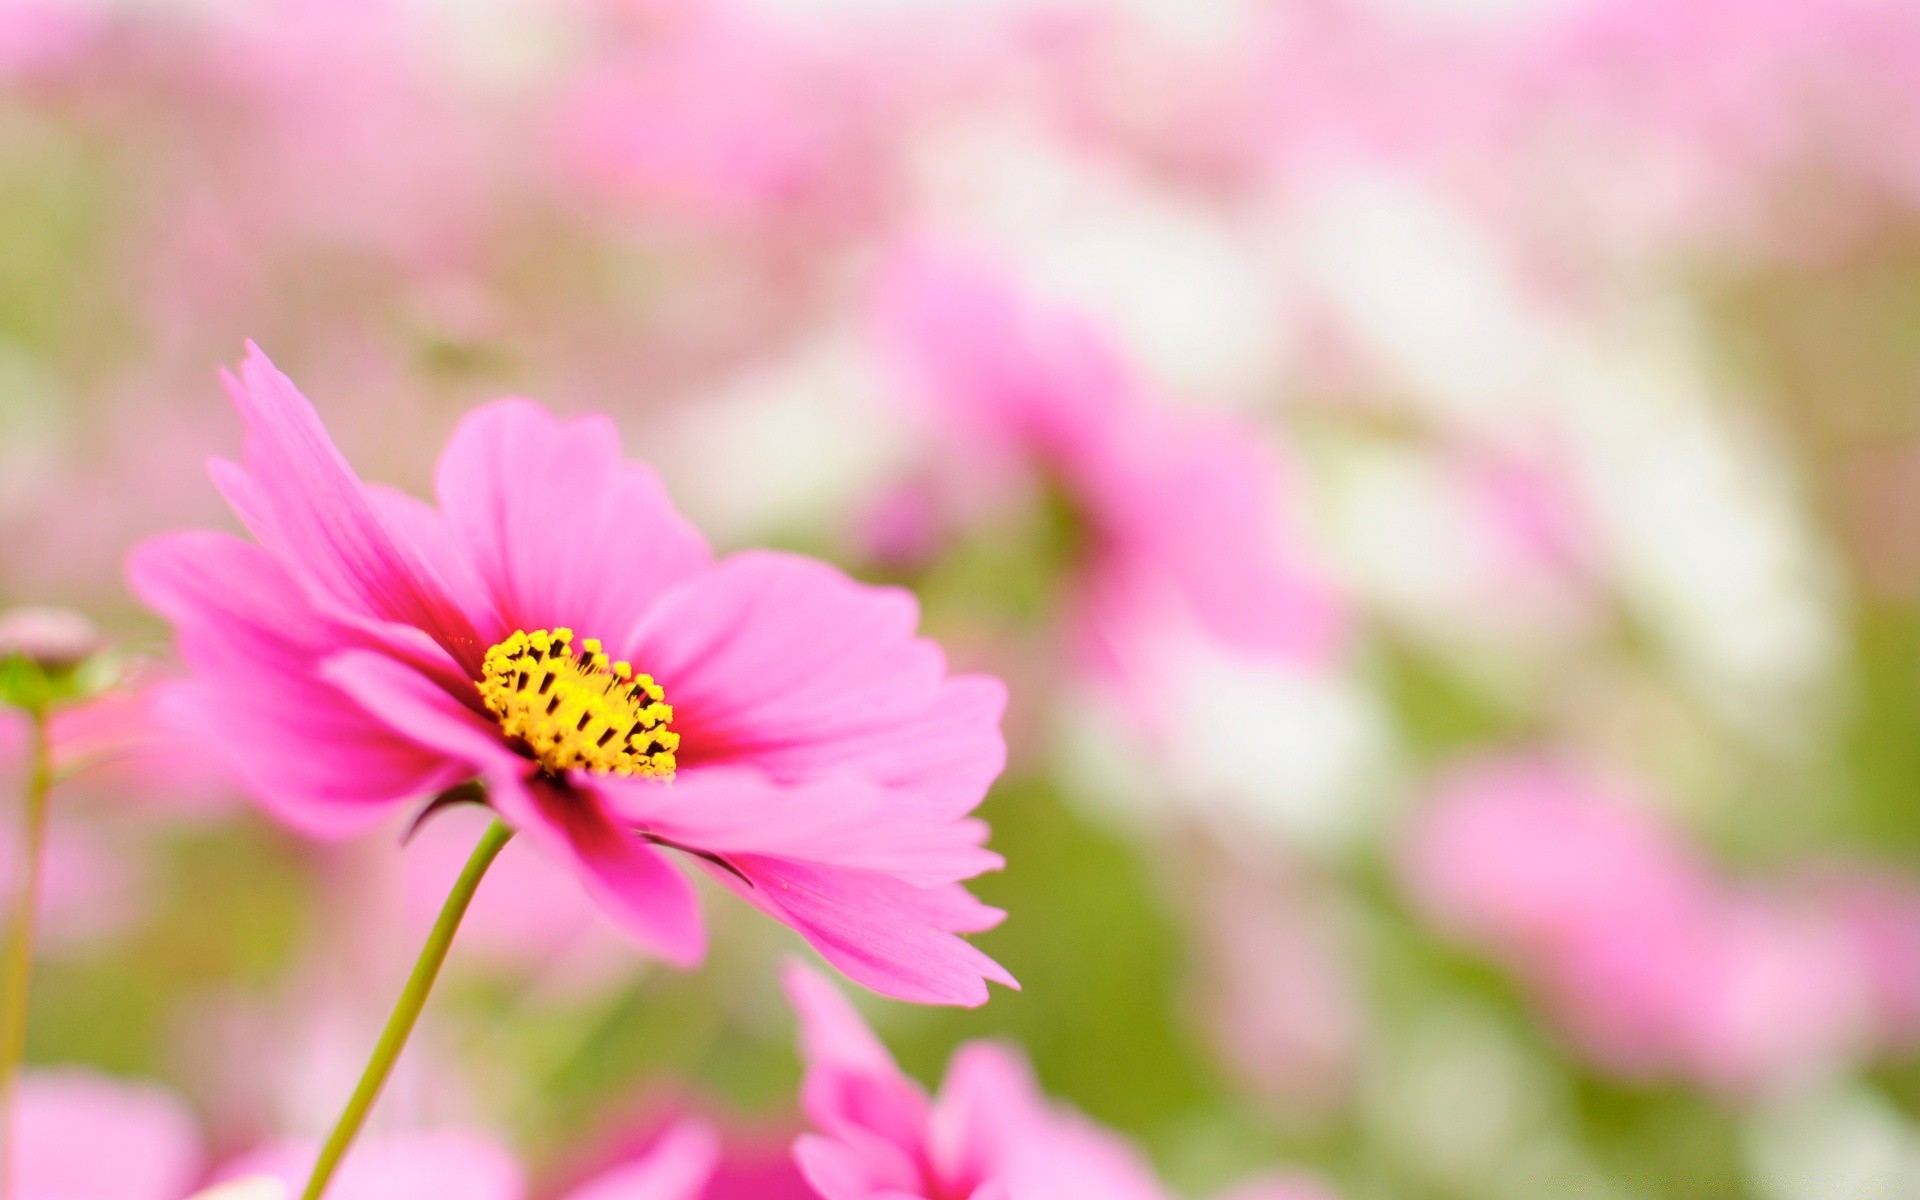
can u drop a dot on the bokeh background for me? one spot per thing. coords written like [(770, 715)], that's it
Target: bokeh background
[(1570, 848)]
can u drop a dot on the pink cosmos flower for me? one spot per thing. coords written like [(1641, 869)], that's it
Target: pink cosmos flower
[(1174, 518), (988, 1135), (555, 629)]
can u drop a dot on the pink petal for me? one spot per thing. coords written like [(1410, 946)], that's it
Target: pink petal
[(407, 700), (888, 935), (425, 531), (676, 1168), (991, 1122), (398, 1167), (65, 1119), (846, 822), (853, 1092), (834, 1170), (988, 1102), (1070, 1158), (633, 882), (832, 1031), (316, 758), (785, 664), (1201, 508), (563, 531), (298, 496)]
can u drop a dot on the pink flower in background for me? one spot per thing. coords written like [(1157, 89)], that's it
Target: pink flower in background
[(120, 746), (989, 1134), (530, 919), (722, 115), (79, 1135), (83, 1136), (38, 35), (709, 1159), (397, 1167), (1527, 854), (555, 628), (89, 889), (679, 1166), (684, 1163), (1275, 984), (1879, 913), (1175, 518), (1655, 965)]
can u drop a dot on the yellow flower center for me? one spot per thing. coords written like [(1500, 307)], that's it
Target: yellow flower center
[(574, 709)]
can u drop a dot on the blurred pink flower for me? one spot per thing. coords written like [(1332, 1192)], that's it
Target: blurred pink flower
[(89, 889), (709, 1160), (371, 650), (720, 115), (1527, 855), (1655, 965), (679, 1166), (1275, 985), (37, 35), (988, 1134), (1175, 518), (78, 1134), (121, 746), (1879, 914), (398, 1167), (530, 919), (54, 637), (410, 176)]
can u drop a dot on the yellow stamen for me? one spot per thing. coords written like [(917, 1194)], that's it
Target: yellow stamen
[(576, 710)]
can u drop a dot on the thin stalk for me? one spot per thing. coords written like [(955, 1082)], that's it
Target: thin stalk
[(406, 1011), (16, 974)]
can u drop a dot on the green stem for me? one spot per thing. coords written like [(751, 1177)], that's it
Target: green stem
[(17, 977), (406, 1011)]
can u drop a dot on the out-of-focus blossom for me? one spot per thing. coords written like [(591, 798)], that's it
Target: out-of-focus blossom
[(1879, 914), (692, 1156), (719, 114), (37, 35), (529, 920), (1275, 986), (52, 637), (409, 188), (80, 1134), (821, 760), (397, 1167), (1654, 964), (1162, 518), (122, 746), (683, 1163), (679, 1166), (88, 890), (989, 1132)]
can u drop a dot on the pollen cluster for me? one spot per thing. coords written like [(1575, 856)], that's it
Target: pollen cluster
[(573, 709)]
